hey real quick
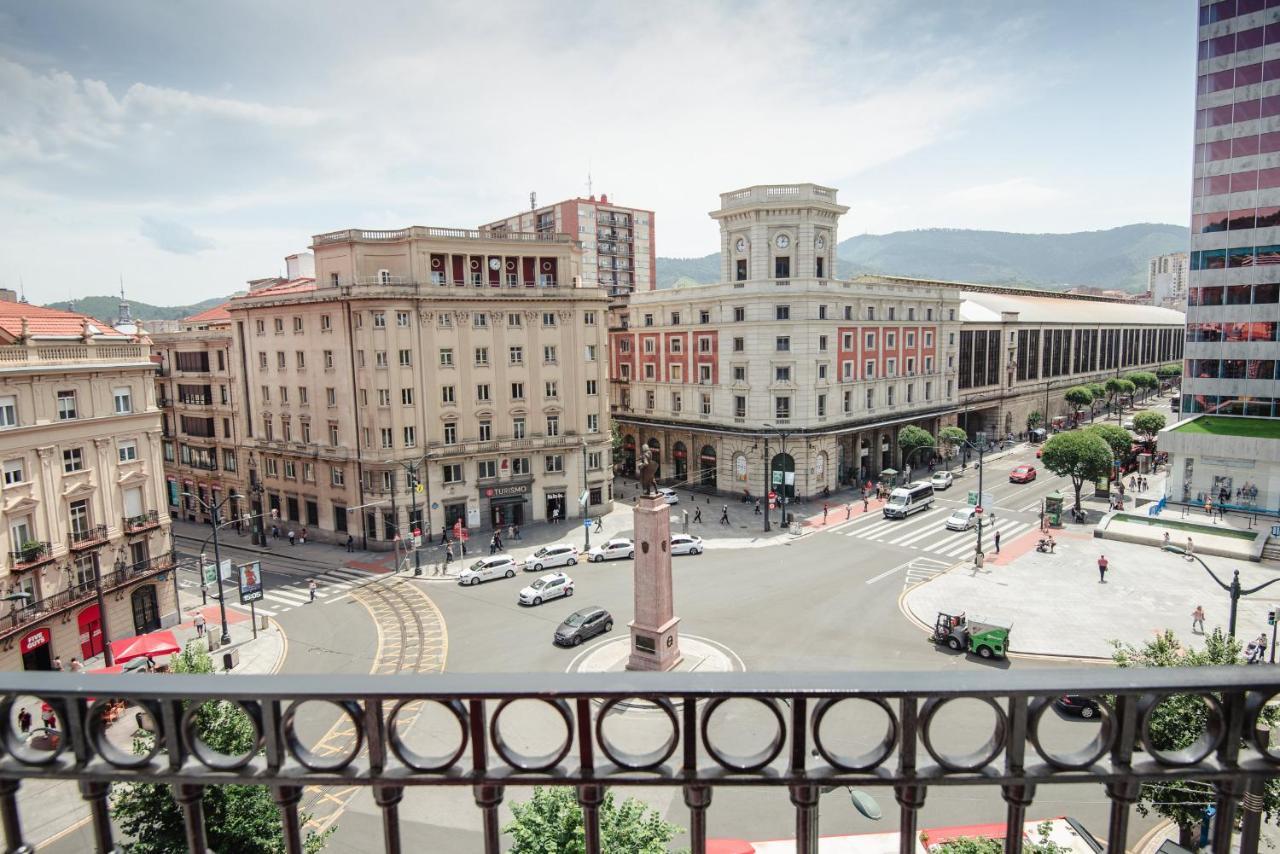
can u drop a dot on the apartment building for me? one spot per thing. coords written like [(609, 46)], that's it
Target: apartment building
[(425, 376), (87, 554), (1167, 280), (198, 393), (619, 250), (709, 377)]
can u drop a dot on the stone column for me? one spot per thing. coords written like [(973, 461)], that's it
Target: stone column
[(50, 498), (655, 637), (106, 511)]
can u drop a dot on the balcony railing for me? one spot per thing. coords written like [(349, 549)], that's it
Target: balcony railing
[(16, 355), (419, 232), (50, 606), (794, 718), (141, 522), (34, 553), (94, 535)]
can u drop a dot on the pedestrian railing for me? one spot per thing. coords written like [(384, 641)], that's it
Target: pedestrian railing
[(791, 732)]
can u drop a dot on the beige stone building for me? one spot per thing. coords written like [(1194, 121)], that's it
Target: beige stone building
[(198, 390), (476, 360), (87, 543)]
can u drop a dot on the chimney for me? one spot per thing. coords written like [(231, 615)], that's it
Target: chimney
[(301, 265), (604, 199), (8, 295)]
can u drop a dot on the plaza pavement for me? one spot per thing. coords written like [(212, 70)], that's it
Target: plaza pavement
[(1058, 606)]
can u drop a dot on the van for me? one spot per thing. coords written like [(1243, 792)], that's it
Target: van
[(906, 500)]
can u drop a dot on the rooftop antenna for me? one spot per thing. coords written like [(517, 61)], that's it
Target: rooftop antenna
[(533, 201), (22, 289), (590, 191)]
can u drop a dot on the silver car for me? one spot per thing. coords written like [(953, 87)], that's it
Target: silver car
[(553, 585)]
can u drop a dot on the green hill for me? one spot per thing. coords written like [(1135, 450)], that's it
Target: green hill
[(106, 308), (1111, 258)]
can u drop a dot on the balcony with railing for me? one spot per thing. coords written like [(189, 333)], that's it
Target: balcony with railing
[(87, 537), (45, 356), (785, 733), (141, 522), (33, 553), (418, 232)]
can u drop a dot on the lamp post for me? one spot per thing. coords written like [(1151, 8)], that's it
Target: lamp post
[(411, 476), (1233, 588), (768, 486), (782, 493), (214, 509)]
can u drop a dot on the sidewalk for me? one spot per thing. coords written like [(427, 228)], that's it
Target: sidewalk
[(1058, 606), (325, 553)]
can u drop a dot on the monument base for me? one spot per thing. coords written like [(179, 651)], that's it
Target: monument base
[(655, 649)]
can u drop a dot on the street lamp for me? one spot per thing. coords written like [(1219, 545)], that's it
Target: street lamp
[(214, 509), (768, 467), (1233, 588), (411, 471)]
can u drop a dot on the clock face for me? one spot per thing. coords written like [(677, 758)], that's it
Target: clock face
[(494, 263), (820, 242), (782, 241), (741, 245)]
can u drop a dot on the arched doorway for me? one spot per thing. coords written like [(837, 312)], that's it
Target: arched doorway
[(782, 475), (629, 455), (679, 459), (90, 624), (146, 615), (820, 468), (655, 451), (707, 466)]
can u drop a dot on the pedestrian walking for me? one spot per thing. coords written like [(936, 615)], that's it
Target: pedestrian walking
[(866, 502), (697, 515), (997, 542), (275, 532), (1102, 569), (1190, 550), (311, 589), (24, 720), (292, 537), (57, 662), (76, 666), (351, 543), (599, 524), (1208, 506), (511, 532), (497, 542), (824, 512), (517, 532), (448, 553), (302, 536), (724, 515), (1197, 619), (199, 621), (848, 511), (47, 717), (757, 506), (493, 544)]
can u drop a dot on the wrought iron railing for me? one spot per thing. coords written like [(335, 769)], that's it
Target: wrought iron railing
[(42, 609), (32, 553), (694, 718), (141, 522), (83, 538)]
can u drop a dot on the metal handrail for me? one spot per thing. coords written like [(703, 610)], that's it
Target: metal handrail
[(43, 609), (91, 534)]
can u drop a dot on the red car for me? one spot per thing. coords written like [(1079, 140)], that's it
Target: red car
[(1022, 474)]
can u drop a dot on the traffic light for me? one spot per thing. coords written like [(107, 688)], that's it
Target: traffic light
[(1271, 617)]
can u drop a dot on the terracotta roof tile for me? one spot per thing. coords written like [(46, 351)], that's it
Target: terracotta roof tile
[(49, 322), (218, 312), (294, 286)]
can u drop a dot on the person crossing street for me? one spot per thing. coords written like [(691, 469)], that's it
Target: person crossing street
[(724, 515)]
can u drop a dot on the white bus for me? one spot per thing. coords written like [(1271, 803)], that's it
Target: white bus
[(906, 500)]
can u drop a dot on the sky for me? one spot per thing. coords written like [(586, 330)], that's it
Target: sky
[(187, 148)]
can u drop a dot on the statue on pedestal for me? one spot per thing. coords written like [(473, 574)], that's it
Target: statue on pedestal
[(648, 472)]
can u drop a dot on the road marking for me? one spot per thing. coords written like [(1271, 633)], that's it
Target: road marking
[(256, 609), (888, 572)]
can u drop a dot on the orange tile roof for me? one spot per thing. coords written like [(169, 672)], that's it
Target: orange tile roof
[(284, 287), (49, 322), (218, 312)]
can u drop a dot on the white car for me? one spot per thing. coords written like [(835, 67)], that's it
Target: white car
[(669, 495), (619, 547), (686, 544), (962, 519), (553, 585), (547, 557), (1128, 424), (942, 480), (489, 568)]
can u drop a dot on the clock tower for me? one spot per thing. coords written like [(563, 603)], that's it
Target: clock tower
[(778, 231)]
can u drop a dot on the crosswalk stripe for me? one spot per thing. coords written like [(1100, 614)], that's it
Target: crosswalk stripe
[(353, 574), (932, 515), (279, 595), (248, 610), (916, 536)]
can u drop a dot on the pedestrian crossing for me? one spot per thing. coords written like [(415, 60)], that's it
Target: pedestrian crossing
[(927, 533), (330, 586)]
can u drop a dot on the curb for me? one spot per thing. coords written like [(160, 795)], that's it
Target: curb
[(1144, 843), (1030, 656)]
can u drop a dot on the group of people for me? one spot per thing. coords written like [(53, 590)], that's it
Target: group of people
[(296, 537), (1138, 481), (75, 667)]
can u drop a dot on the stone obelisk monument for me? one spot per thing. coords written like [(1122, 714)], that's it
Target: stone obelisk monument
[(655, 635)]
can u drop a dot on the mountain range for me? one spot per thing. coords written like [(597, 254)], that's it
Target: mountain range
[(105, 308), (1115, 258)]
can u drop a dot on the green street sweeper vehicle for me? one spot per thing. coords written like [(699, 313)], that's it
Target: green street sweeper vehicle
[(983, 637)]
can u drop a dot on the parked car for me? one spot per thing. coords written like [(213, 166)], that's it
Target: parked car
[(962, 519), (1022, 474), (1127, 424), (686, 544), (547, 557), (942, 480), (670, 495), (553, 585), (489, 568), (619, 547), (583, 624), (1078, 705)]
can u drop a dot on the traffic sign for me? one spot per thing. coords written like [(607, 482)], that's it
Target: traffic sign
[(978, 510), (586, 523), (209, 573), (418, 488)]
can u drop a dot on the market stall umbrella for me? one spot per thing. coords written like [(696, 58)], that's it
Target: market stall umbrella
[(115, 668), (142, 646), (729, 846)]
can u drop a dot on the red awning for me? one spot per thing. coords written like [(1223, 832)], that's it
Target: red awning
[(153, 644), (729, 846), (115, 668)]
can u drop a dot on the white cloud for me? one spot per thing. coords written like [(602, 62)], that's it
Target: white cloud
[(1014, 193), (173, 236)]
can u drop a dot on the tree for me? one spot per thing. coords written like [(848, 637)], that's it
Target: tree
[(1144, 380), (1168, 372), (1148, 424), (1079, 397), (552, 821), (1118, 439), (1080, 455), (1099, 395), (910, 440), (237, 817), (989, 845), (1116, 386), (1034, 420), (950, 439), (1178, 721)]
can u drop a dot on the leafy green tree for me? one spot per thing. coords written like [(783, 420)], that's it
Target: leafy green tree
[(1034, 420), (1118, 439), (1148, 424), (910, 440), (988, 845), (1168, 372), (1081, 455), (1079, 397), (1099, 395), (1117, 387), (1143, 380), (1178, 721), (551, 823), (237, 817), (950, 439)]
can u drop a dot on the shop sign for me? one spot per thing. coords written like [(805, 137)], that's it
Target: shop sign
[(502, 491), (35, 640)]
